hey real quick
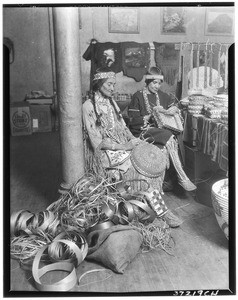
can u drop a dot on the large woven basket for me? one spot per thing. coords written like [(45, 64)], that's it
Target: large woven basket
[(221, 204), (148, 160)]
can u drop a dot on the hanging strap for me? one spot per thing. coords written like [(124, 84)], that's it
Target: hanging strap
[(180, 62), (198, 52), (210, 64), (226, 68), (205, 74), (191, 66), (219, 67)]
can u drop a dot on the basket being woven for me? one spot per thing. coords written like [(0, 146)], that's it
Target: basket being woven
[(220, 204), (148, 160), (172, 122)]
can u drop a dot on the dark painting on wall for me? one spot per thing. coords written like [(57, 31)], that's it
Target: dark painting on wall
[(135, 57)]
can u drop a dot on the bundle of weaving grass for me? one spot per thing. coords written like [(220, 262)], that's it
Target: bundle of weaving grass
[(78, 211), (24, 247), (155, 235), (81, 207)]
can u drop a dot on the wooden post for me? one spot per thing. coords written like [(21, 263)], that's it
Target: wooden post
[(67, 54)]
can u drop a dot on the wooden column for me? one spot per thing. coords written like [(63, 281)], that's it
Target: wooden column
[(68, 77)]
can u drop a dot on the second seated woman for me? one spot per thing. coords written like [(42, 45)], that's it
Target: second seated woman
[(111, 140), (140, 116)]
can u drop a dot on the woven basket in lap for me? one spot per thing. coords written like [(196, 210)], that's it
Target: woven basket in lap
[(148, 160)]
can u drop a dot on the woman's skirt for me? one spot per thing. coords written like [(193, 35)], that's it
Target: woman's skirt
[(157, 136)]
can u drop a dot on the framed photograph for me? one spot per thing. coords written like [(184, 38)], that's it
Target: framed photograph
[(219, 21), (173, 20), (123, 19)]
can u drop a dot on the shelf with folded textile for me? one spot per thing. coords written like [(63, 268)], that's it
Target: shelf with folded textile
[(208, 136), (206, 151), (204, 75)]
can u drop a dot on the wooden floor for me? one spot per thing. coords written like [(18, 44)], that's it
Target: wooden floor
[(200, 261)]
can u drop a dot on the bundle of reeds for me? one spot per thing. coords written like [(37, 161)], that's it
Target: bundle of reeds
[(77, 212)]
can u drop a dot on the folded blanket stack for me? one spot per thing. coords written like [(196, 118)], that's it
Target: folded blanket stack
[(221, 100), (224, 116), (196, 103), (213, 112), (217, 108)]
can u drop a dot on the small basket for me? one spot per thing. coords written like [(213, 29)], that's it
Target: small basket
[(221, 205)]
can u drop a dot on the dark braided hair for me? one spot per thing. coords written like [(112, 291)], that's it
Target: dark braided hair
[(97, 84)]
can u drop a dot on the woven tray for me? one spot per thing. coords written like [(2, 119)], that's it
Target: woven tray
[(171, 122)]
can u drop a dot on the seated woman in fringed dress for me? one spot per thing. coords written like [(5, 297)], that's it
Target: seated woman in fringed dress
[(112, 142), (141, 120)]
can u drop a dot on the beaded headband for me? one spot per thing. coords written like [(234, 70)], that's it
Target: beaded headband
[(103, 75), (154, 77)]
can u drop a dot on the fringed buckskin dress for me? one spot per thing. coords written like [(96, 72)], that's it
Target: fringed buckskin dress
[(114, 129)]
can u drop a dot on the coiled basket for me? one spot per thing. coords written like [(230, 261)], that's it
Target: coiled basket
[(220, 202)]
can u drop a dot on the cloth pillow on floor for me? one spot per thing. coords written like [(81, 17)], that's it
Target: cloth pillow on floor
[(114, 247)]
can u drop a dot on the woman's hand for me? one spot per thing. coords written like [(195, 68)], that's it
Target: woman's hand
[(160, 108), (146, 118), (172, 110), (136, 141), (131, 144)]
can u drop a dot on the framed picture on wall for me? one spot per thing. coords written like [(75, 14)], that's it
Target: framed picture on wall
[(173, 20), (219, 21), (123, 19)]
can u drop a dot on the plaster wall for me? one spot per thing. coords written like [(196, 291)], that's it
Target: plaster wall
[(28, 28)]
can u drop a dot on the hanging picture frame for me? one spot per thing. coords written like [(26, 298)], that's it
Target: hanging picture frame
[(219, 21), (173, 20), (123, 19)]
